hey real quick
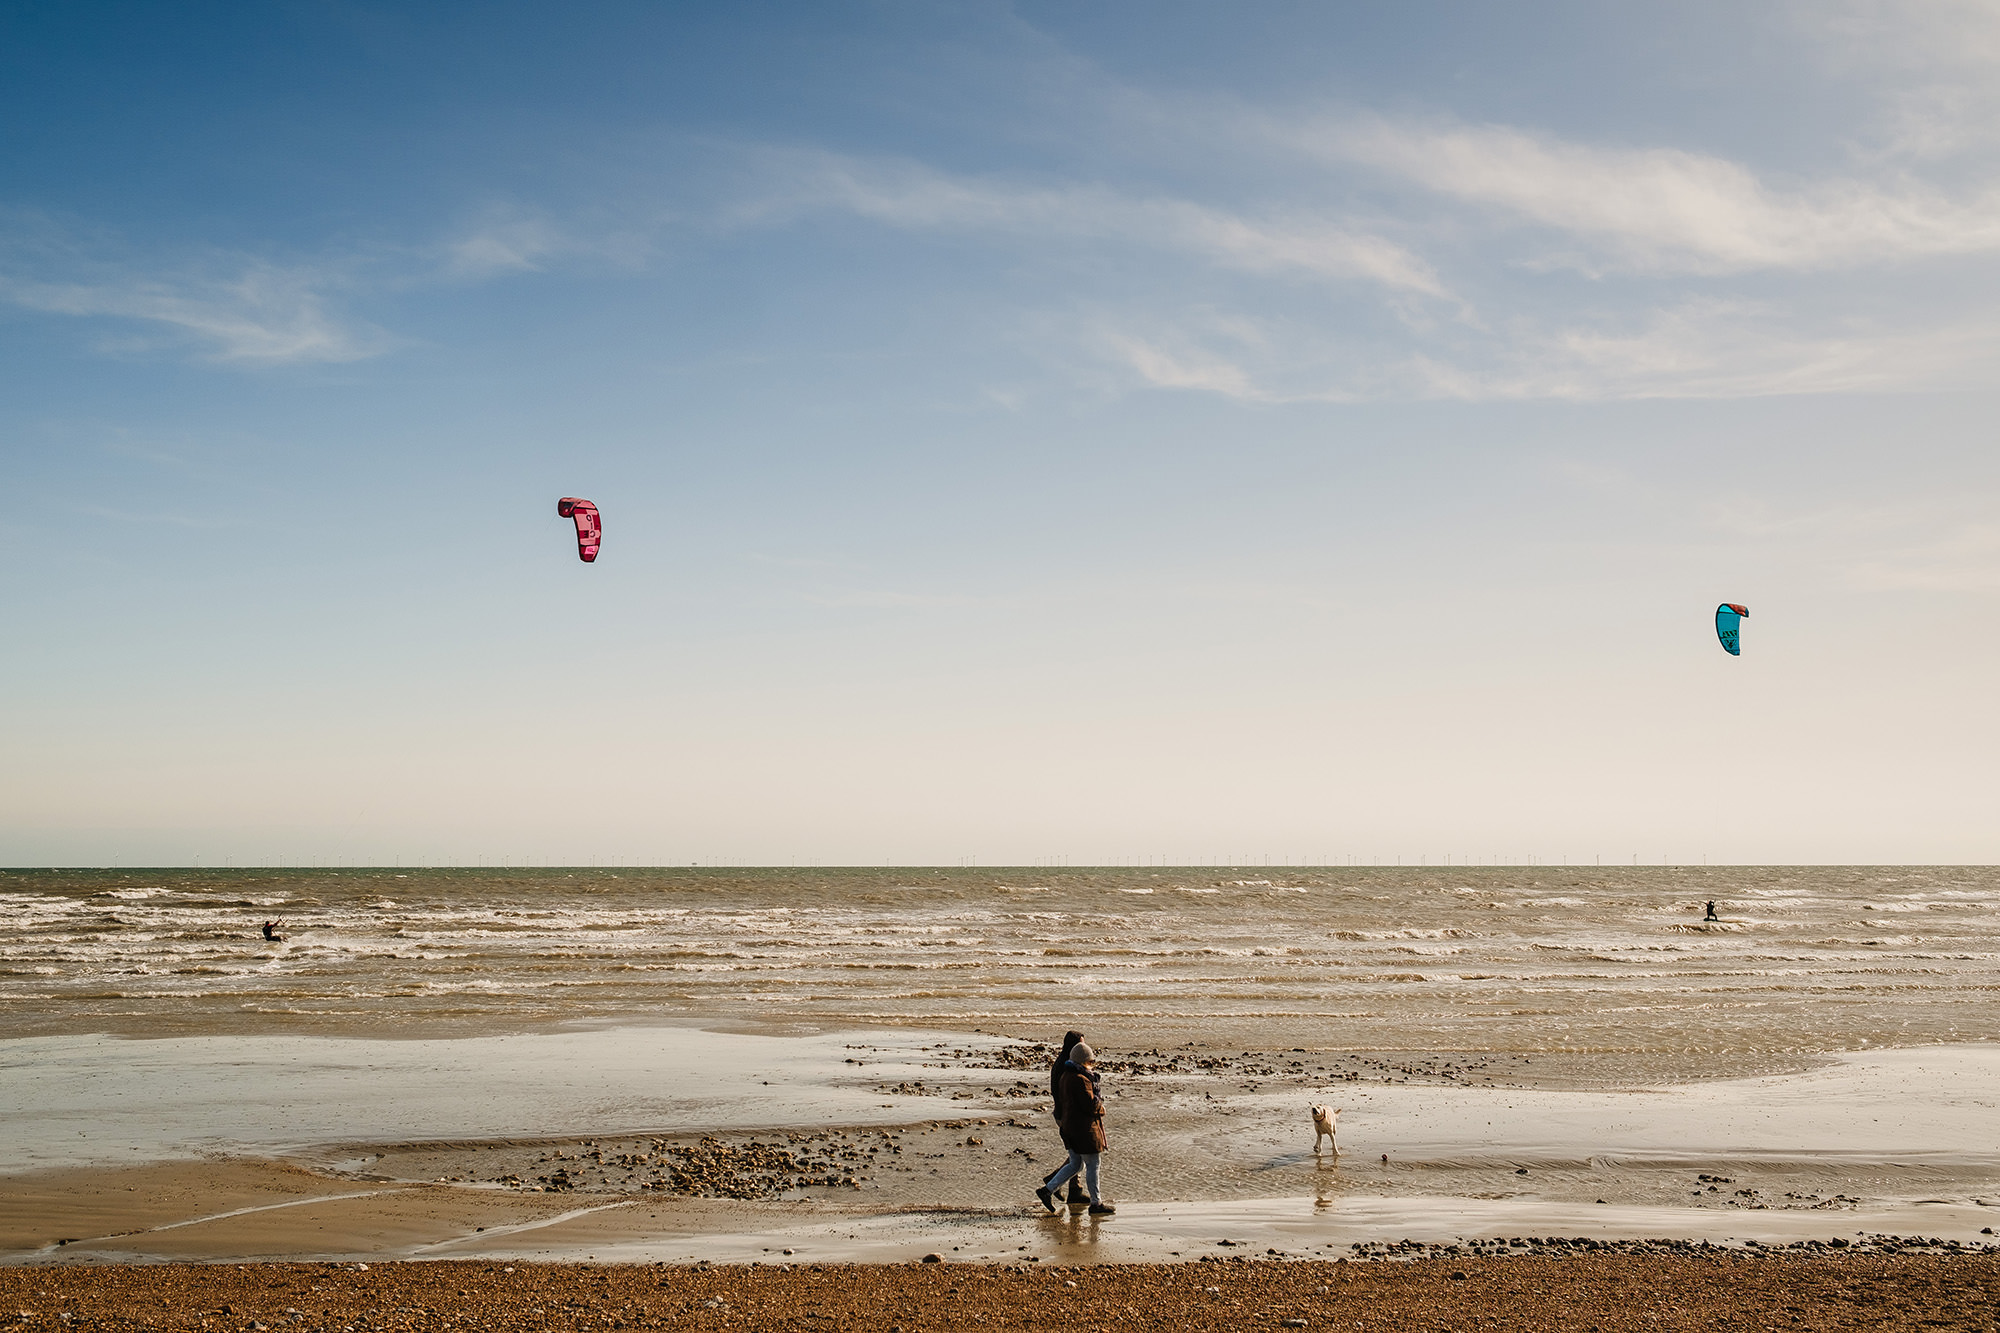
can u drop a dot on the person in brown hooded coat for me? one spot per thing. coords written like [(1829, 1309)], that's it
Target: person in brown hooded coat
[(1077, 1197), (1080, 1108)]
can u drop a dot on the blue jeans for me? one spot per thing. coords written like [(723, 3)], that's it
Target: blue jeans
[(1084, 1163)]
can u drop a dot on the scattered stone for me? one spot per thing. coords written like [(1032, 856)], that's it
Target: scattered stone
[(1930, 1284)]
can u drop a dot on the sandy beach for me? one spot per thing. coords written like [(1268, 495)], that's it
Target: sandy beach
[(883, 1146), (580, 1078)]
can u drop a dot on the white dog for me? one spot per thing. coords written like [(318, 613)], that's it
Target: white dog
[(1325, 1120)]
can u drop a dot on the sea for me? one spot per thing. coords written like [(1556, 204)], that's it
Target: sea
[(1599, 961)]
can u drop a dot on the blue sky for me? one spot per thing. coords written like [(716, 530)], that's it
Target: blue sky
[(1095, 432)]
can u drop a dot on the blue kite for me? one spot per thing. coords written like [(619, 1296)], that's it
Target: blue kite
[(1727, 617)]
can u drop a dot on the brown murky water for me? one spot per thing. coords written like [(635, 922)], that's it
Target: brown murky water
[(1600, 962)]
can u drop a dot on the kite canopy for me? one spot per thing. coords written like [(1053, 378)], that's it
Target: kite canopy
[(589, 526), (1727, 617)]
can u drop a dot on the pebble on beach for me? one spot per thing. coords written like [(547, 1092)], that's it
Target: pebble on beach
[(1687, 1290)]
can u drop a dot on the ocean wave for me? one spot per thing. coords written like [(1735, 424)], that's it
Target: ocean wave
[(1600, 955), (1408, 933)]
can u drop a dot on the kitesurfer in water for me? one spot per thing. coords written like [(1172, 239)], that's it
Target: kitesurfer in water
[(271, 930), (1711, 912)]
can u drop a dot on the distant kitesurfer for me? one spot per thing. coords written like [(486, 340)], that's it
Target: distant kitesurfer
[(271, 928), (1711, 912)]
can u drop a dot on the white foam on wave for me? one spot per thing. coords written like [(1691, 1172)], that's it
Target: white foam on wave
[(1442, 933)]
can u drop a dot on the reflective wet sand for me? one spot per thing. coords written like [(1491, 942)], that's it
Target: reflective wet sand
[(557, 1144)]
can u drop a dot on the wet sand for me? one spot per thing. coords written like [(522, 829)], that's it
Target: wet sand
[(1600, 1293), (1207, 1147), (236, 1211)]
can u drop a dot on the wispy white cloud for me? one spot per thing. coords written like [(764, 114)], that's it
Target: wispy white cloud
[(1669, 210), (1680, 220), (916, 198), (1165, 367), (1698, 349), (1199, 350), (237, 309), (1707, 348), (1920, 36), (1932, 65), (504, 245), (1911, 545), (1450, 304), (503, 239), (263, 315)]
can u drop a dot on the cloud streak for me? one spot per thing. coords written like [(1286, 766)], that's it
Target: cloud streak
[(1934, 66), (1679, 221), (1712, 349), (1429, 294), (1915, 545), (915, 198), (1721, 349), (1668, 210), (239, 309), (263, 315)]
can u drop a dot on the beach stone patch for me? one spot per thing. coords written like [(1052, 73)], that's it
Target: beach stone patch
[(711, 1168), (1316, 1068), (1563, 1247), (965, 1161), (1610, 1292)]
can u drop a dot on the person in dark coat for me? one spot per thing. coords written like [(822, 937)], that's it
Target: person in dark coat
[(1076, 1195), (1080, 1109)]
